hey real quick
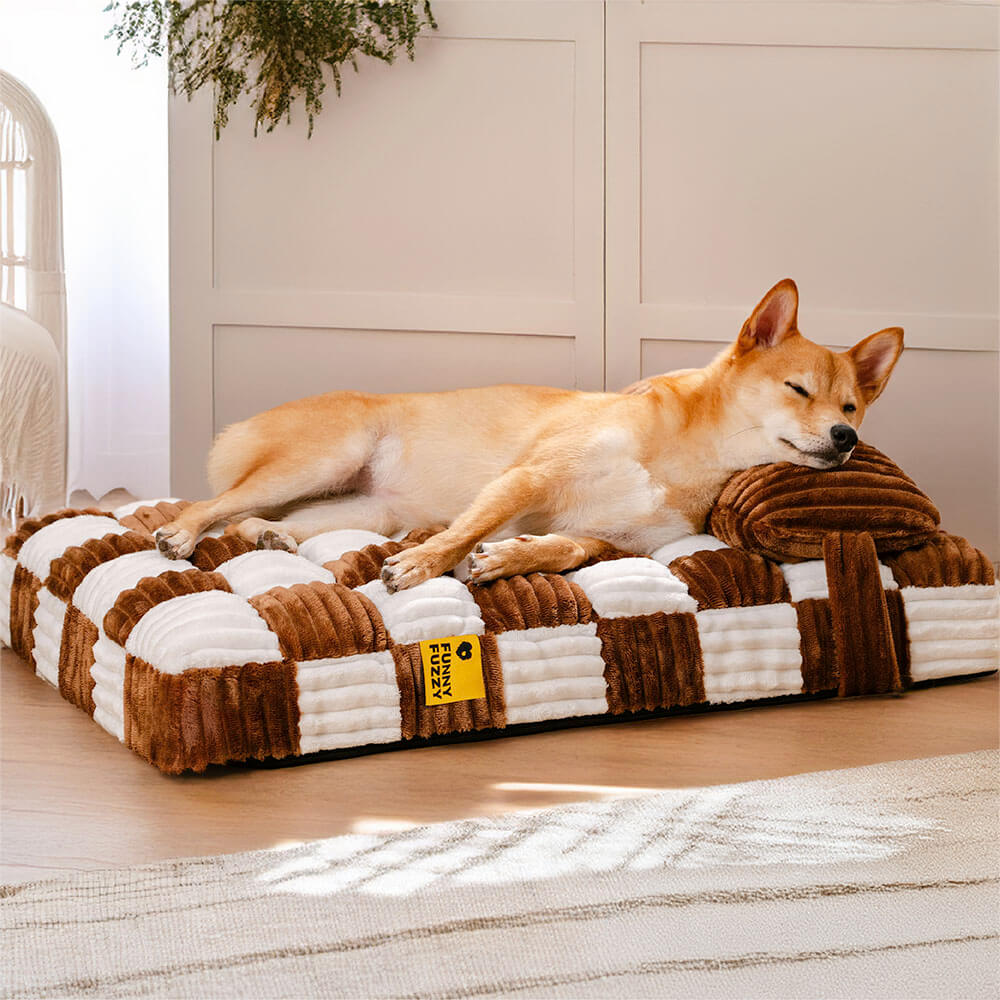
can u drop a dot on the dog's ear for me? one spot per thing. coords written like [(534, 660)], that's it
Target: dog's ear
[(874, 358), (773, 320)]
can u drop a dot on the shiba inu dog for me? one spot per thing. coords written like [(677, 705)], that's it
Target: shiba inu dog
[(529, 478)]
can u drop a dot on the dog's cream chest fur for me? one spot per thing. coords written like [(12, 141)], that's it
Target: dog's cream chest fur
[(614, 496)]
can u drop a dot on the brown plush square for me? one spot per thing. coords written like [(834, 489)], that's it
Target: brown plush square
[(945, 561), (76, 657), (539, 600), (210, 553), (210, 716), (66, 572), (23, 605), (819, 655), (651, 661), (316, 620), (731, 578)]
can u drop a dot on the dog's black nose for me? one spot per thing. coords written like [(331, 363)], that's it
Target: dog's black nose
[(844, 437)]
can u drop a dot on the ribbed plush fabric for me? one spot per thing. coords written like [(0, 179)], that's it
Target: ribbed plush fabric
[(785, 511), (552, 673), (348, 701)]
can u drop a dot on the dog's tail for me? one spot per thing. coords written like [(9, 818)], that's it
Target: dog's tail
[(235, 453)]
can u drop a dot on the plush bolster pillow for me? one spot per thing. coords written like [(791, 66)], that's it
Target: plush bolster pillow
[(784, 511)]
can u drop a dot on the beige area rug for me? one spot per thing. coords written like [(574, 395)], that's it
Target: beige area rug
[(870, 882)]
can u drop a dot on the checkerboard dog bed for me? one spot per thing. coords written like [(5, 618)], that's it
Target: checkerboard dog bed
[(242, 654)]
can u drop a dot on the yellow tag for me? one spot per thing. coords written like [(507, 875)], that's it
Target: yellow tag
[(453, 669)]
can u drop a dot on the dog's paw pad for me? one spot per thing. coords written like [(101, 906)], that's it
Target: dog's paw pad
[(276, 541)]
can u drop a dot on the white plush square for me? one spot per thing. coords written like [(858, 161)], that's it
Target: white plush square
[(687, 546), (808, 579), (47, 634), (108, 671), (552, 673), (101, 587), (952, 630), (54, 539), (750, 652), (7, 566), (332, 545), (94, 597), (256, 572), (627, 587), (209, 629), (348, 701), (431, 610)]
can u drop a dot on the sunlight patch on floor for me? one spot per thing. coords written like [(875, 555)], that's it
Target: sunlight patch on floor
[(635, 832)]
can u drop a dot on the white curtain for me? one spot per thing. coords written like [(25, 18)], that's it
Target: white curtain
[(111, 122)]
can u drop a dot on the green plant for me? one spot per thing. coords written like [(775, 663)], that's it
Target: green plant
[(273, 50)]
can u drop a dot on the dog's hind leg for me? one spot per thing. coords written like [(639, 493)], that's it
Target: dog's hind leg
[(264, 476), (352, 511), (261, 490)]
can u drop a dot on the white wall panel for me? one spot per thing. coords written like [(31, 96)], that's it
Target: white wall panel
[(424, 177), (867, 174), (659, 356), (257, 367), (939, 421)]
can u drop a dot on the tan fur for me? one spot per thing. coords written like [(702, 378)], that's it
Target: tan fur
[(635, 469)]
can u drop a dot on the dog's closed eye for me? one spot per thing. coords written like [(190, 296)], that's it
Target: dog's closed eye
[(798, 389)]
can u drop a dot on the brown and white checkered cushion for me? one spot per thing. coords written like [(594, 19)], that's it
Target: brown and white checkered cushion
[(236, 653)]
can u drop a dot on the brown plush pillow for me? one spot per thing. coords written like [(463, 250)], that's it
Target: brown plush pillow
[(783, 511)]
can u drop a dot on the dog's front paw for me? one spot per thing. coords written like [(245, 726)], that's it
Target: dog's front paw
[(492, 560), (174, 542), (411, 566)]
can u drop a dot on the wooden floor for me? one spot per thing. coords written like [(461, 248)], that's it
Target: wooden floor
[(71, 797)]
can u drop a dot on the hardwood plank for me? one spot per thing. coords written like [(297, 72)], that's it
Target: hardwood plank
[(72, 798)]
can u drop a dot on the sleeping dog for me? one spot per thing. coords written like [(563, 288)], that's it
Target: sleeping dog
[(529, 478)]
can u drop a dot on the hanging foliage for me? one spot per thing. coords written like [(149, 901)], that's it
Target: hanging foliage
[(273, 50)]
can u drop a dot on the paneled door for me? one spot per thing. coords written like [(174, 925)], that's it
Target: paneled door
[(443, 227), (851, 146)]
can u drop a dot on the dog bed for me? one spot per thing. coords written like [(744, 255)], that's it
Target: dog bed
[(809, 584)]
